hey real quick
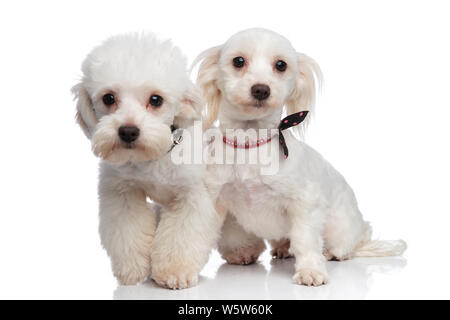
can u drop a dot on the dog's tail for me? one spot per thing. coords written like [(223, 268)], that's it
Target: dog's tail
[(378, 248)]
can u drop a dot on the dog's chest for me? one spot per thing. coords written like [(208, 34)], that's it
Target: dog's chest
[(154, 178), (257, 205)]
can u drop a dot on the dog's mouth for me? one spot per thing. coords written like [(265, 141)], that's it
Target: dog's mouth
[(258, 103), (254, 103), (132, 152), (128, 145)]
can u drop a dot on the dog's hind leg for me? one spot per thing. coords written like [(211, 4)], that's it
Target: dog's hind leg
[(238, 246), (344, 228), (347, 235)]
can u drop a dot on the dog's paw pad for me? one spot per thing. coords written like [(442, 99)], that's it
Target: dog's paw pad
[(310, 277)]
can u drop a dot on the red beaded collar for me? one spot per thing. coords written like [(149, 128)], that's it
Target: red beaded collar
[(287, 122), (246, 145)]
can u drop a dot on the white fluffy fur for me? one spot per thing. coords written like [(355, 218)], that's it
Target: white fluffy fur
[(133, 67), (307, 202)]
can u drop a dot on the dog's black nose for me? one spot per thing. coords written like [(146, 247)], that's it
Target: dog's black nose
[(260, 91), (128, 133)]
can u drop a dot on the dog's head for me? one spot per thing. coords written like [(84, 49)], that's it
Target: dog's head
[(257, 72), (134, 88)]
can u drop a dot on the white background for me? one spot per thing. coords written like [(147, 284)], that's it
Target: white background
[(382, 120)]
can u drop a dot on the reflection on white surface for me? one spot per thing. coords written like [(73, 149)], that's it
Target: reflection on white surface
[(270, 279)]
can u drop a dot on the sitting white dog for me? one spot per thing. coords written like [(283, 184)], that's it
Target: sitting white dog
[(247, 81), (134, 89)]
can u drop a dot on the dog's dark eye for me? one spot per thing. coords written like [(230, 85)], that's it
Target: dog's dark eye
[(156, 100), (238, 62), (280, 65), (108, 99)]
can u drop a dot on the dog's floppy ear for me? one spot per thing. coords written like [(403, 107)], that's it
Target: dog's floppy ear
[(303, 96), (207, 80), (85, 115), (191, 107)]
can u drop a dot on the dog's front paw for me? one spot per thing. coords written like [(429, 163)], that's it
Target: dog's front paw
[(175, 280), (310, 277)]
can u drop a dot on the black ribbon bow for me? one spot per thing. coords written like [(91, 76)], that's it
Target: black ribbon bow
[(290, 121)]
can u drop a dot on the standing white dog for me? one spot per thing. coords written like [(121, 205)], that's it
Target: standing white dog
[(247, 82), (133, 91)]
